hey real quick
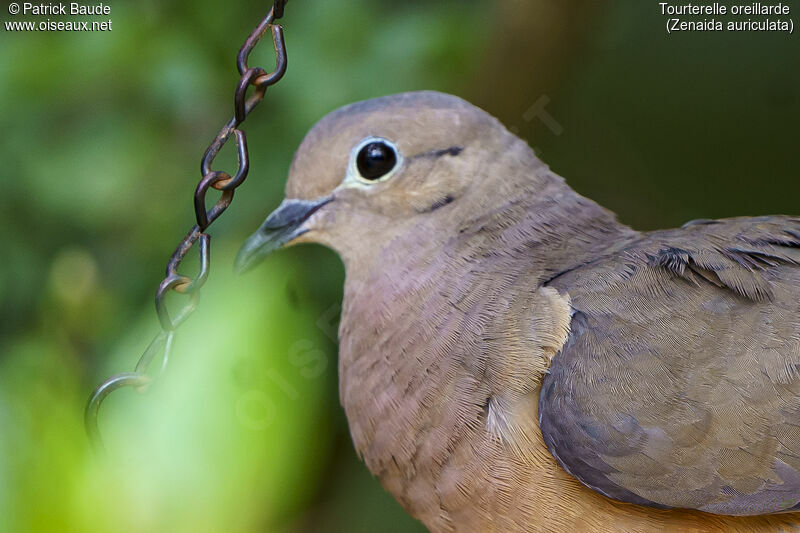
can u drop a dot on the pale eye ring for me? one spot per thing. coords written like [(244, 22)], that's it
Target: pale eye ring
[(376, 159)]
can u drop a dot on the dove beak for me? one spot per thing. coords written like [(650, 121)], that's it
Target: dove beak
[(281, 227)]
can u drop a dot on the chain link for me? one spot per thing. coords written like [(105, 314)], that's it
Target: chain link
[(212, 179)]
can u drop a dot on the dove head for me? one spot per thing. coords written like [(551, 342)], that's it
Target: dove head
[(421, 163)]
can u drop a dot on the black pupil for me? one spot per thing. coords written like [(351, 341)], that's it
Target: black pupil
[(375, 160)]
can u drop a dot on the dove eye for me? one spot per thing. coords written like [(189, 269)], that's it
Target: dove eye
[(376, 159)]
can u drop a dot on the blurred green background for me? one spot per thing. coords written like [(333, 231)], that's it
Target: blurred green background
[(101, 139)]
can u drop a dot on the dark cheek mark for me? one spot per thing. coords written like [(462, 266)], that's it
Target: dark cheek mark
[(453, 150), (441, 202)]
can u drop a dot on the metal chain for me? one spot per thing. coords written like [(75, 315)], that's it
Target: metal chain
[(214, 179)]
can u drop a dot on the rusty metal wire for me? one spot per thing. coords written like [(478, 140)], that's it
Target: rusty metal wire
[(220, 180)]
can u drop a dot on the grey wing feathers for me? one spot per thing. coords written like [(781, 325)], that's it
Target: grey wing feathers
[(679, 385)]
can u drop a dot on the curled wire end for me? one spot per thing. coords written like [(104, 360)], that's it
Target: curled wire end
[(127, 379), (161, 344)]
